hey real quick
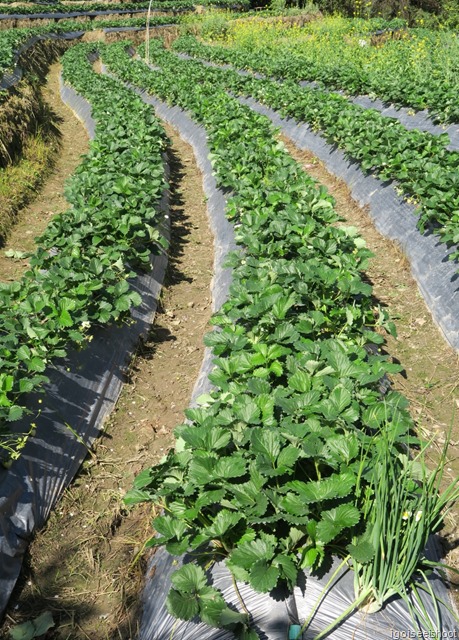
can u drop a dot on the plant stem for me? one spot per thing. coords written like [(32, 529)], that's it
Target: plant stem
[(173, 629), (322, 593), (238, 593), (344, 615)]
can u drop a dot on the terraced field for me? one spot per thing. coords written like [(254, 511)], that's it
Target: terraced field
[(318, 454)]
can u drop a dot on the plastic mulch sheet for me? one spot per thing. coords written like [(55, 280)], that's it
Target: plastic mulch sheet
[(409, 118), (12, 77), (216, 202), (68, 15)]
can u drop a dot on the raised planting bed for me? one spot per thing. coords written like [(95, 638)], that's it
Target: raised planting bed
[(284, 462)]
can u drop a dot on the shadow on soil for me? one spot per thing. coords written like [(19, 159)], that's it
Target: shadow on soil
[(68, 613), (180, 223)]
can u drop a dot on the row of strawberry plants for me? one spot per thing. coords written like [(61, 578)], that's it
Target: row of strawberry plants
[(419, 70), (54, 2), (419, 161), (79, 275), (159, 5), (77, 3), (12, 39), (266, 472)]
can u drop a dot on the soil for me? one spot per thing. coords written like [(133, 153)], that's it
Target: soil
[(50, 200)]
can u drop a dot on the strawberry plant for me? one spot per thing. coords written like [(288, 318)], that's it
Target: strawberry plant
[(125, 7), (425, 170), (80, 274), (12, 39), (265, 470)]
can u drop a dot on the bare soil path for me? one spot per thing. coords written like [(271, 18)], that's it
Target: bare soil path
[(50, 200)]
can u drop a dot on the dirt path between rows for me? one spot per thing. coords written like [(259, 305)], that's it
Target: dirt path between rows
[(34, 218), (86, 566)]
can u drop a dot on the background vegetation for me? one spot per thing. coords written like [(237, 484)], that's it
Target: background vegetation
[(428, 13)]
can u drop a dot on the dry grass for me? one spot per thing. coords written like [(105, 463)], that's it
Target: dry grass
[(45, 202), (29, 134), (20, 181), (23, 111), (20, 116)]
